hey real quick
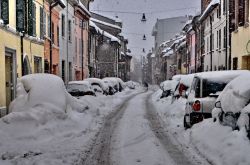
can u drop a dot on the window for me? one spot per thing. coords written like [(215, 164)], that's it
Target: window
[(217, 43), (224, 6), (235, 63), (225, 38), (57, 36), (69, 29), (210, 87), (44, 23), (212, 41), (41, 23), (63, 25), (48, 18), (53, 33), (63, 70), (241, 12), (20, 11), (4, 11), (219, 39), (31, 18)]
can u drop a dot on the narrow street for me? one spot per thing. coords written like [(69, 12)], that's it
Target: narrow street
[(135, 134)]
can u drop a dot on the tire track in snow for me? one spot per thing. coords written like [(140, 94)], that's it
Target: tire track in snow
[(157, 126), (100, 150)]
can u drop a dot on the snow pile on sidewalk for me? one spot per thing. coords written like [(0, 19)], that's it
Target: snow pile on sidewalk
[(48, 126), (218, 144)]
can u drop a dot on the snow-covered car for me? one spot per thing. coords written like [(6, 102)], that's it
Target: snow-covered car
[(130, 84), (80, 88), (113, 84), (98, 85), (233, 105), (168, 87), (121, 83), (205, 89), (184, 86)]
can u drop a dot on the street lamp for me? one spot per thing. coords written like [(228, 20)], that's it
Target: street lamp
[(52, 4)]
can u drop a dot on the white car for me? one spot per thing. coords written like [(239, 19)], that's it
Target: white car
[(233, 105), (205, 89), (98, 85)]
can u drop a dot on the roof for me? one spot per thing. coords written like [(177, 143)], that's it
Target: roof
[(169, 53), (106, 34), (106, 23), (84, 8), (209, 8)]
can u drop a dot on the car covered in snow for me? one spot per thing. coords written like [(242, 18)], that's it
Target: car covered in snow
[(131, 84), (168, 87), (205, 89), (98, 85), (233, 105), (115, 84), (184, 86), (80, 88)]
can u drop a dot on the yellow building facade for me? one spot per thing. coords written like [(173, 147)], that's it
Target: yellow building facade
[(241, 47), (10, 54)]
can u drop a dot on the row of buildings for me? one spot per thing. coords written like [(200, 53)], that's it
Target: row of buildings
[(216, 39), (60, 37)]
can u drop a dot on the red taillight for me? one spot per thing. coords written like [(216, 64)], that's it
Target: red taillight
[(197, 105)]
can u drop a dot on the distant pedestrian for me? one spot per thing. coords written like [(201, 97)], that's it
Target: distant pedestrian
[(146, 85)]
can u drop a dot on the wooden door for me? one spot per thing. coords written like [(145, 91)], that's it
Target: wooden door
[(9, 70)]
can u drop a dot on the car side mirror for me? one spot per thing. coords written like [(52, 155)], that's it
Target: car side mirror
[(218, 104)]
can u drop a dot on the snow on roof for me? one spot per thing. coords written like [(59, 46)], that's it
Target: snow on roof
[(106, 34), (166, 50), (169, 53), (187, 23), (153, 55), (182, 44), (105, 23), (84, 8), (224, 76), (62, 1), (210, 7), (122, 53), (164, 43), (80, 82), (113, 38), (91, 23)]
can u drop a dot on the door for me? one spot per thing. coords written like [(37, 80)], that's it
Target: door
[(9, 81)]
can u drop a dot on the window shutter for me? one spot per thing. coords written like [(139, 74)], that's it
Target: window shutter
[(30, 17), (41, 23), (20, 15), (241, 12), (34, 19), (232, 22), (44, 23), (5, 11)]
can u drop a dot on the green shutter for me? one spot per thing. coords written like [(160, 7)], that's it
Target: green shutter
[(30, 17), (34, 19), (41, 23), (20, 15), (5, 11)]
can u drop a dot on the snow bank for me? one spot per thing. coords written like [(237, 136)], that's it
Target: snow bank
[(48, 126)]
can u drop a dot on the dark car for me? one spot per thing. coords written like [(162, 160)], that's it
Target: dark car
[(80, 88)]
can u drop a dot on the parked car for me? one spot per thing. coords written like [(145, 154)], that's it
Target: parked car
[(205, 89), (233, 105), (131, 84), (184, 86), (168, 87), (80, 88), (112, 84), (98, 85), (122, 85)]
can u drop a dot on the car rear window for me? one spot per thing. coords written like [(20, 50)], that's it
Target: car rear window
[(211, 88)]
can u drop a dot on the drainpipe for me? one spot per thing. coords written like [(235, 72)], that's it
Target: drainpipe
[(50, 31), (67, 44), (226, 33), (211, 44), (82, 48)]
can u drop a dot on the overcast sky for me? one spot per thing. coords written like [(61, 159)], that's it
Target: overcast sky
[(130, 12)]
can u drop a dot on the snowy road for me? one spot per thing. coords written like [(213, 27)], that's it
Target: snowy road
[(135, 134)]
